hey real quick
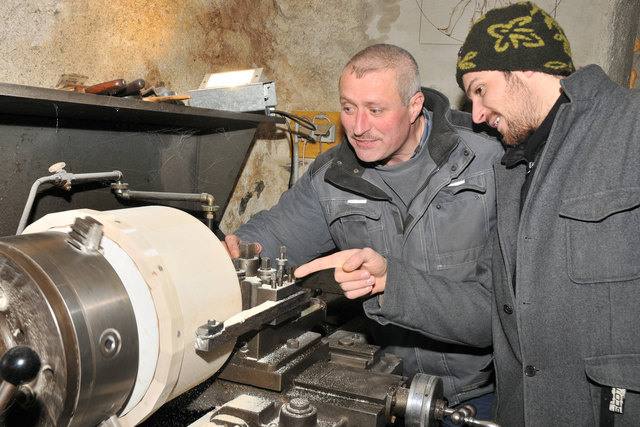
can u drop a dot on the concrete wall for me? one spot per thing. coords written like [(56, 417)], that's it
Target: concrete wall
[(301, 44)]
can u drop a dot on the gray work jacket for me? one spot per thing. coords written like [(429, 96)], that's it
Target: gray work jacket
[(337, 205), (568, 330)]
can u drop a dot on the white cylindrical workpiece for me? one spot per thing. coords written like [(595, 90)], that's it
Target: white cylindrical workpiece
[(176, 270)]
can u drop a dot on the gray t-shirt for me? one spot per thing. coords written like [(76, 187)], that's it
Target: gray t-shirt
[(402, 181)]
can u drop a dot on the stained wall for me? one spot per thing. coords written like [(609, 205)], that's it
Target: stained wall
[(301, 45)]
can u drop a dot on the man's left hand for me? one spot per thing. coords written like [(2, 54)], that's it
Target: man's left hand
[(359, 272)]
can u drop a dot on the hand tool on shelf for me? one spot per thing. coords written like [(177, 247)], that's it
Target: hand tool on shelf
[(106, 88)]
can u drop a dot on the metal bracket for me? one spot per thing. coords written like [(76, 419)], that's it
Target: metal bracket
[(85, 234)]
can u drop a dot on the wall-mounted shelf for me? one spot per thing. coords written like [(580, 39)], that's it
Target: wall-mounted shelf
[(56, 108)]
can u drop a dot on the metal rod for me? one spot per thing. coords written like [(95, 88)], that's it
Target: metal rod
[(63, 178), (158, 195)]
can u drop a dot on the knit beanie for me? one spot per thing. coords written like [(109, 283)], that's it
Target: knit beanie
[(518, 37)]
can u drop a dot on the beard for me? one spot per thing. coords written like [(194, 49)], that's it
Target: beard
[(523, 120), (519, 129)]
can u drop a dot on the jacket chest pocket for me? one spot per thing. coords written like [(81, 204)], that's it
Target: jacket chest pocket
[(461, 216), (603, 236), (356, 223)]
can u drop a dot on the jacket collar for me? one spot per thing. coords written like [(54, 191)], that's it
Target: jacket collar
[(587, 83), (440, 148), (346, 172)]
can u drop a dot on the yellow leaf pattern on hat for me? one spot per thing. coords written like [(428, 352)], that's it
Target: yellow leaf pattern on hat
[(513, 33), (553, 24), (465, 63), (534, 8), (565, 42), (556, 65)]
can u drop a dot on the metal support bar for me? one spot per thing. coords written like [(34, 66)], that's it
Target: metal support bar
[(235, 327)]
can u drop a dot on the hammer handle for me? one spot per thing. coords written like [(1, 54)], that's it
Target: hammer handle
[(106, 88)]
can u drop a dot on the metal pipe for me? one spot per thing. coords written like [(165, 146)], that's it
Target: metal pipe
[(63, 179), (95, 176), (160, 195), (121, 190)]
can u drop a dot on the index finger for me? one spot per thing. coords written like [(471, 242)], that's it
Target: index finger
[(323, 263)]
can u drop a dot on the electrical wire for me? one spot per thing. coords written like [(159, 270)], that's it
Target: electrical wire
[(300, 120), (320, 116), (305, 140), (305, 122), (304, 149), (293, 159)]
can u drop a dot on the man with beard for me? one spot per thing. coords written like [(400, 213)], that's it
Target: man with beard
[(413, 181), (561, 275)]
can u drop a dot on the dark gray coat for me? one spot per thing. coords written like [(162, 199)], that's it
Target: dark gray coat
[(338, 204), (571, 329)]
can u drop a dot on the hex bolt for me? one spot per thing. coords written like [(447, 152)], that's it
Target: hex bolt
[(298, 412), (244, 349), (110, 343), (211, 328), (245, 250), (279, 278), (346, 341), (272, 280), (299, 404)]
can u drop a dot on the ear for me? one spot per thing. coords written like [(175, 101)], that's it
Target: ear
[(528, 73), (415, 105)]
